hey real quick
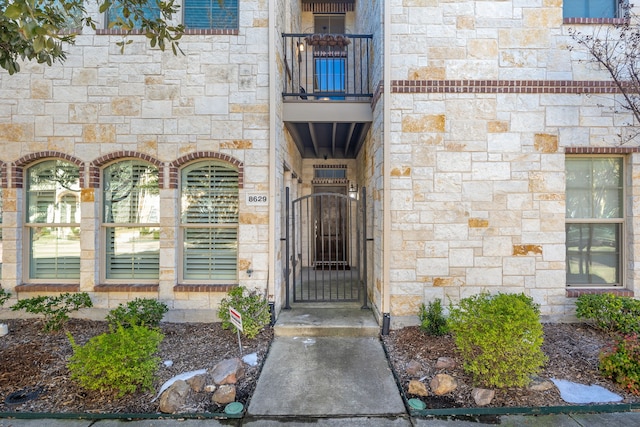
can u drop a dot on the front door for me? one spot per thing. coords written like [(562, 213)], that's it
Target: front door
[(330, 218)]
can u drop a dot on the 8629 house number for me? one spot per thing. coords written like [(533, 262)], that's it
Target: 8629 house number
[(257, 199)]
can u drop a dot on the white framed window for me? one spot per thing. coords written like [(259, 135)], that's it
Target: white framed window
[(131, 222), (593, 8), (209, 203), (594, 220), (52, 222)]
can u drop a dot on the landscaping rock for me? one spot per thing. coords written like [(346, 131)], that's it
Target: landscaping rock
[(418, 388), (413, 368), (228, 371), (197, 383), (442, 384), (445, 363), (174, 397), (224, 394), (540, 384), (482, 396)]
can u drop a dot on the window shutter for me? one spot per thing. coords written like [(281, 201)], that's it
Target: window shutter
[(210, 222), (213, 14)]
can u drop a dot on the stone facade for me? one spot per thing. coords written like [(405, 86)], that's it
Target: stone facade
[(476, 105)]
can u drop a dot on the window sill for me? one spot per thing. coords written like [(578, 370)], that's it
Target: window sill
[(203, 288), (126, 288), (598, 21), (575, 293), (39, 287), (187, 32)]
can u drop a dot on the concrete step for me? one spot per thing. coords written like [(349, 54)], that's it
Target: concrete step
[(326, 321)]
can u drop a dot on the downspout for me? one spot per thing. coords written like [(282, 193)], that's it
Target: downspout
[(386, 140), (271, 294)]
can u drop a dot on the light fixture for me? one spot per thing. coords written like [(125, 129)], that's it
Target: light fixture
[(300, 46), (353, 190)]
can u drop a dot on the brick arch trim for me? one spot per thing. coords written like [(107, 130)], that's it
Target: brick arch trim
[(204, 155), (96, 165), (17, 168)]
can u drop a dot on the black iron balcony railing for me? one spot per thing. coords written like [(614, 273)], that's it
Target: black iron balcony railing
[(327, 66)]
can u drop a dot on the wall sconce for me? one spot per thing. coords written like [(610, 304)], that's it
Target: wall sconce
[(300, 46), (353, 190)]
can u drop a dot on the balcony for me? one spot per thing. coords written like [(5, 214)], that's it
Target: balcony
[(327, 92)]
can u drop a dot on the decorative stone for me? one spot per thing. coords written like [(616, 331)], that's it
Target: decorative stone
[(197, 383), (210, 388), (482, 396), (418, 388), (228, 371), (445, 363), (540, 384), (413, 368), (224, 394), (442, 384), (174, 397)]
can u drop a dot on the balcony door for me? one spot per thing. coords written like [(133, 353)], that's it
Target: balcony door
[(329, 63)]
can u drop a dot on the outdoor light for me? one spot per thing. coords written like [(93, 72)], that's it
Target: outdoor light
[(300, 46), (353, 190)]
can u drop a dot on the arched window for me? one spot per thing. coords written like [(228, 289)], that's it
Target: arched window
[(130, 221), (53, 221), (209, 223)]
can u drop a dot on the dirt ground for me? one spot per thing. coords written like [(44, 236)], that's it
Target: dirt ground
[(33, 365)]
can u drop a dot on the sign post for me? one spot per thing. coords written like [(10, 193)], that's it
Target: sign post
[(236, 320)]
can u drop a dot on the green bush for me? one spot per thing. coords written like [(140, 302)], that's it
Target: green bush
[(4, 296), (120, 361), (253, 307), (622, 363), (609, 312), (55, 309), (141, 312), (432, 319), (499, 337)]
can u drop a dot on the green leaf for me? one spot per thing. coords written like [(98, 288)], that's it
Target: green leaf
[(13, 12)]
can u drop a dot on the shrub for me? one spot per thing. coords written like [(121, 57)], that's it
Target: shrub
[(432, 320), (141, 312), (120, 361), (4, 296), (55, 309), (622, 363), (499, 337), (253, 307), (609, 312)]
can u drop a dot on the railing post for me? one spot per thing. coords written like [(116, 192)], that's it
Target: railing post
[(363, 199), (286, 251)]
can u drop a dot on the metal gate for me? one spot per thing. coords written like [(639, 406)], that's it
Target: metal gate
[(325, 248)]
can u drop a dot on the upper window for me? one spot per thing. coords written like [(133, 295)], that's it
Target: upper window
[(216, 14), (591, 8), (115, 13), (209, 223), (131, 224), (594, 220), (53, 221)]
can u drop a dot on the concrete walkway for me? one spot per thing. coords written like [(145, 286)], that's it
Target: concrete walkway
[(326, 376)]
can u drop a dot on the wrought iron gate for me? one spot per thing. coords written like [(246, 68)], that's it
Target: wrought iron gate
[(325, 248)]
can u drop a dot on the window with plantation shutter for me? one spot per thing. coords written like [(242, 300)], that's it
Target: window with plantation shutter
[(53, 221), (209, 223), (211, 14), (115, 13), (131, 228)]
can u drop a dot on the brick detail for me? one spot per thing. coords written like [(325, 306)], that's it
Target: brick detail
[(575, 293), (94, 166), (33, 287), (377, 94), (203, 288), (126, 288), (503, 86), (17, 167), (3, 175), (201, 155), (598, 21), (601, 150), (187, 32)]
